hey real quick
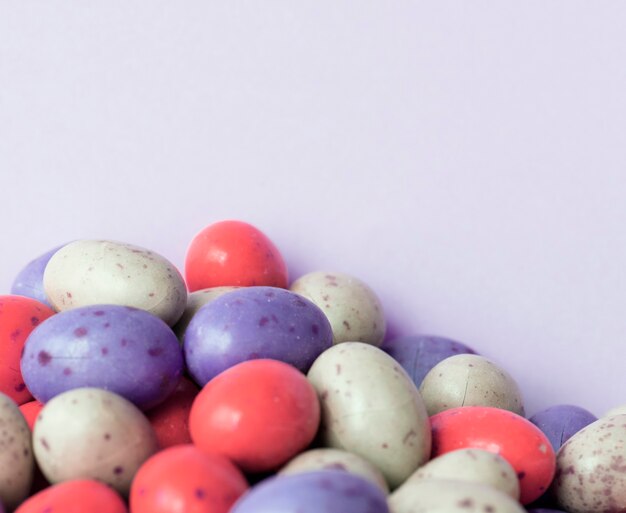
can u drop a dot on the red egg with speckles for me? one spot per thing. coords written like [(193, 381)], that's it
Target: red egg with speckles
[(502, 432), (19, 316), (233, 253), (184, 478)]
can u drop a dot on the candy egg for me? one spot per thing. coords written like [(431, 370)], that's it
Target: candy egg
[(511, 436), (94, 272), (330, 491), (90, 433), (29, 281), (259, 413), (335, 459), (420, 353), (233, 253), (472, 465), (121, 349), (19, 316), (439, 495), (254, 322), (352, 307), (469, 380), (16, 456), (80, 496), (591, 468), (562, 421), (371, 407)]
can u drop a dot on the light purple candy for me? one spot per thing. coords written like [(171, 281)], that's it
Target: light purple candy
[(419, 353), (117, 348), (330, 491), (561, 422), (29, 281), (255, 322)]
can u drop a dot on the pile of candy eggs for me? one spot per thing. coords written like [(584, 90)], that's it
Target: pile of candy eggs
[(126, 387)]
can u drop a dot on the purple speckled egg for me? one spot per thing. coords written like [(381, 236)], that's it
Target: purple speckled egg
[(255, 322), (29, 281), (420, 353), (559, 423), (116, 348), (330, 491)]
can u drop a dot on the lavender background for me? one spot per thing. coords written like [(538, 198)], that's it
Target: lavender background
[(465, 159)]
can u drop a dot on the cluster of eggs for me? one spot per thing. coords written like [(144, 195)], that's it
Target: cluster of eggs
[(119, 390)]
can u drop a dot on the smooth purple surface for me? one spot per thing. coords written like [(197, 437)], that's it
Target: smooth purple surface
[(255, 322), (561, 422), (118, 348), (420, 353), (29, 281), (328, 491)]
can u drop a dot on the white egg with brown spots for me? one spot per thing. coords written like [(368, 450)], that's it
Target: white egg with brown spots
[(470, 380), (591, 468), (352, 307), (89, 433), (449, 496), (474, 466), (335, 459), (371, 407), (16, 456), (94, 272)]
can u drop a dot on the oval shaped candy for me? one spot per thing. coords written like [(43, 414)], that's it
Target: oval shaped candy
[(371, 407), (95, 272), (513, 437), (560, 422), (254, 322), (19, 316), (29, 281), (186, 479), (352, 307), (121, 349), (233, 253), (330, 491), (89, 433)]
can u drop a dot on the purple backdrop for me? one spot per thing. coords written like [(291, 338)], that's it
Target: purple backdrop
[(468, 161)]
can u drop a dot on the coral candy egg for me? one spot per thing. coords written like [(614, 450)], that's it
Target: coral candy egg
[(30, 410), (513, 437), (259, 413), (80, 496), (19, 316), (233, 253), (186, 479)]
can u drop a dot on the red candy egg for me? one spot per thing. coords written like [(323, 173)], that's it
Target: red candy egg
[(502, 432), (183, 478), (233, 253), (30, 410), (19, 316), (80, 496), (259, 413)]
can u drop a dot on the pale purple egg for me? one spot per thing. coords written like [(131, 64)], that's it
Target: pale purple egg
[(559, 423), (29, 281)]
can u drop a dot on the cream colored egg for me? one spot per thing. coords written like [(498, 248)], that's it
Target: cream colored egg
[(448, 496), (89, 433), (92, 272), (472, 465), (591, 468), (371, 407), (16, 455), (617, 410), (335, 459), (470, 380), (352, 307)]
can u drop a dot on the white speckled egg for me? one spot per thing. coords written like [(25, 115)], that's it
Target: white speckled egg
[(16, 456), (353, 309), (371, 407), (92, 272), (617, 410), (335, 459), (195, 301), (448, 496), (89, 433), (472, 465), (591, 468), (469, 380)]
